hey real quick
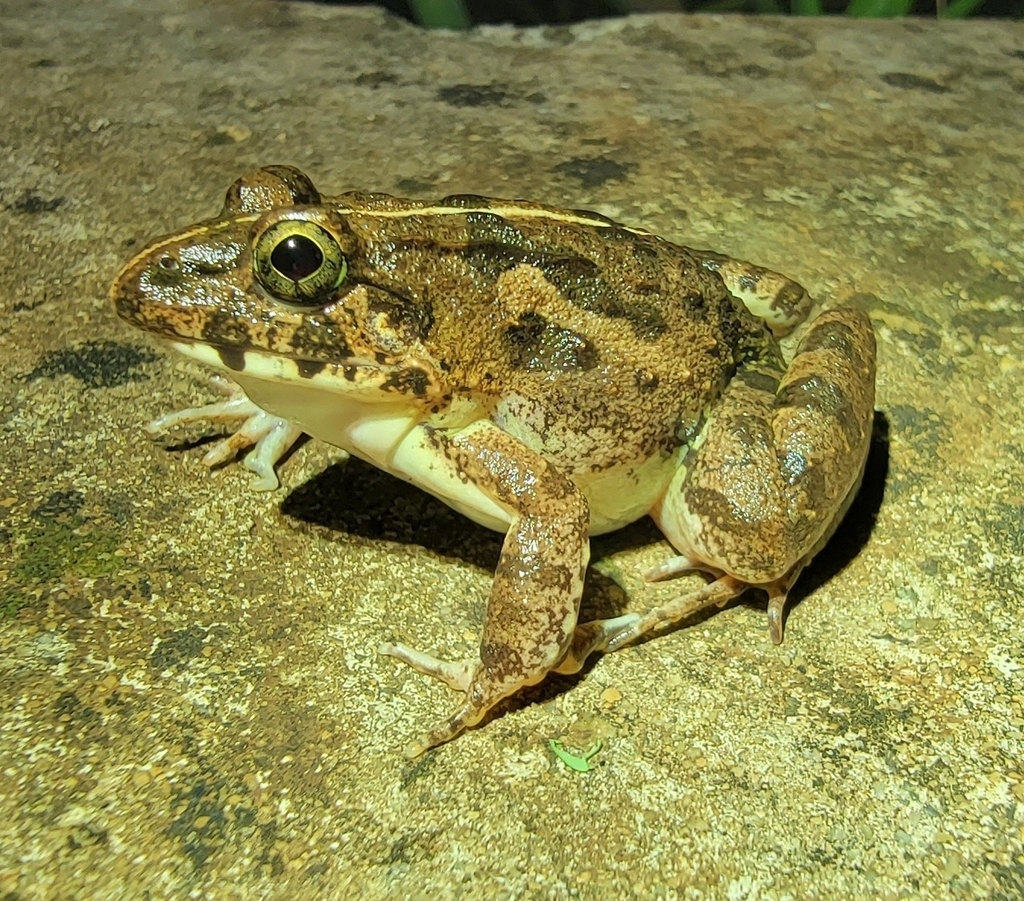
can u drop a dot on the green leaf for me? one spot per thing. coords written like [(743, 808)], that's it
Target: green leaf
[(806, 7), (959, 9), (581, 762), (441, 13)]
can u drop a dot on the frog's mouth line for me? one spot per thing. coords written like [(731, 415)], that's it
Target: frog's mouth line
[(353, 377)]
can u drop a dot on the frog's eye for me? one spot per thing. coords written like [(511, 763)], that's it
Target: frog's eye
[(299, 262)]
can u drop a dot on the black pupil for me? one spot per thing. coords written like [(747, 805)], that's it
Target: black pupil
[(297, 257)]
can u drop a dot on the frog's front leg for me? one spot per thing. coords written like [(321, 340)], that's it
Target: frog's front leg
[(538, 583), (769, 479), (270, 436)]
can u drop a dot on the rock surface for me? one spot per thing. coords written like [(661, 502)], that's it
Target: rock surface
[(192, 705)]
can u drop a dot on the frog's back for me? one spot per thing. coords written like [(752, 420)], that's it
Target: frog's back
[(596, 344)]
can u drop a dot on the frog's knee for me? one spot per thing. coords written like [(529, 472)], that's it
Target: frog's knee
[(824, 407), (779, 462), (781, 302), (753, 549), (839, 347)]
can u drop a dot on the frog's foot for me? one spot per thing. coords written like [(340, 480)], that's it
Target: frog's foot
[(714, 594), (611, 634), (683, 563), (456, 675), (270, 436), (718, 592), (596, 635), (483, 686)]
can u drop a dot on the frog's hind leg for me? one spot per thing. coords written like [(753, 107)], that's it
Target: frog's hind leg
[(778, 300), (611, 634), (771, 476)]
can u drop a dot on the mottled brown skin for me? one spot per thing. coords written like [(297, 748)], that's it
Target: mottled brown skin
[(556, 374), (778, 468), (537, 585), (603, 308)]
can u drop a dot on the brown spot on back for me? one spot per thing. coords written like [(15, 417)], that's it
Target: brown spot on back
[(583, 284), (534, 343), (490, 229)]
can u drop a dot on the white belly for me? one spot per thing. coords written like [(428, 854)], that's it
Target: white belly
[(392, 437), (387, 434), (390, 434)]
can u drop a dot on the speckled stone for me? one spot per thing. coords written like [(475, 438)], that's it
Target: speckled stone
[(192, 704)]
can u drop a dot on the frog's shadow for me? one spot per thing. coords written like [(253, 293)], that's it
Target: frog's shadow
[(360, 500)]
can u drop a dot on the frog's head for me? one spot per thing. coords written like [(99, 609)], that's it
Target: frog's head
[(272, 287)]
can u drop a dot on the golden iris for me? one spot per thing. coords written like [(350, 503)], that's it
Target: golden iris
[(299, 262)]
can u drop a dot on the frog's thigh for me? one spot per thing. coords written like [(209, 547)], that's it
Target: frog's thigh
[(537, 585), (771, 296), (779, 465)]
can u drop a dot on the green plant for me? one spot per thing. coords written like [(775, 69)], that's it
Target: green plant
[(441, 13)]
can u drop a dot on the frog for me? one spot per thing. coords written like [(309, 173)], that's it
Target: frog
[(549, 373)]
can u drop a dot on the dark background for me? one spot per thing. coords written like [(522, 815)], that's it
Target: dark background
[(540, 12)]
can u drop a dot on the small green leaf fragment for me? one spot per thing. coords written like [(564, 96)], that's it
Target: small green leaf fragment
[(580, 763)]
